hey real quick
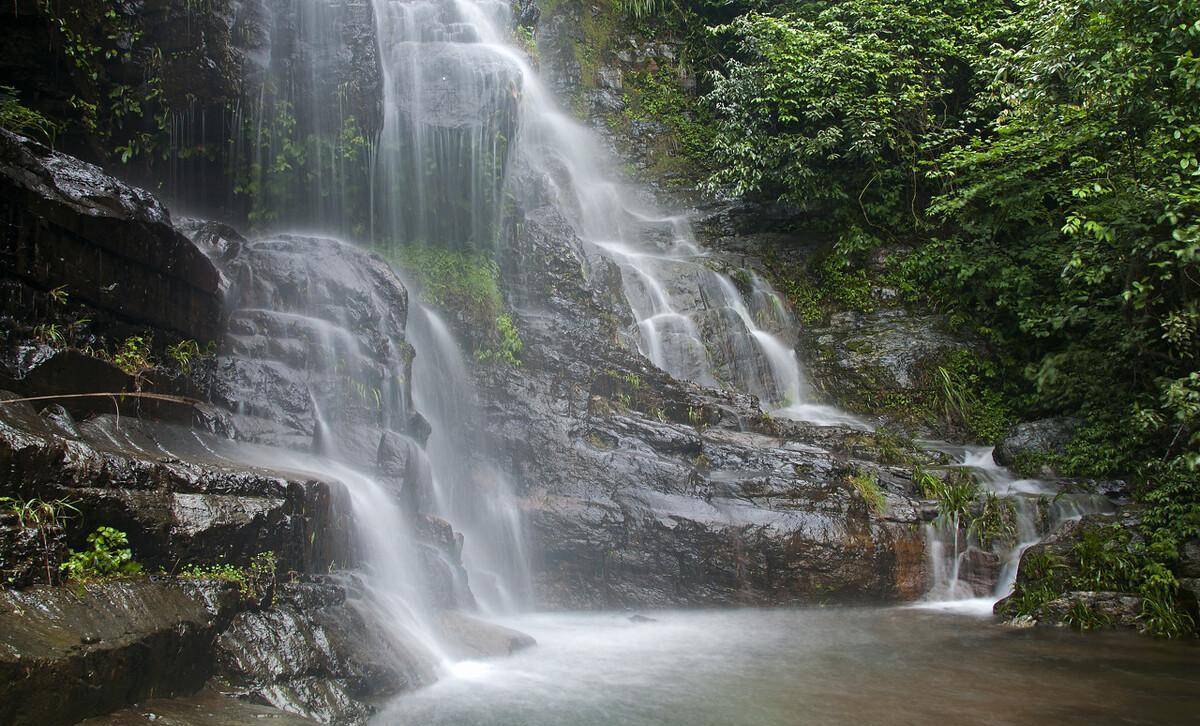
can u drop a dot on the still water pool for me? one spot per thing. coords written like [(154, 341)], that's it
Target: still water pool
[(809, 667)]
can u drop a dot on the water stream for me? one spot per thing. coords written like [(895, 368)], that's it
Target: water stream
[(970, 575)]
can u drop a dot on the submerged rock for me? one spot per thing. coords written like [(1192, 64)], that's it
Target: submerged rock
[(470, 637)]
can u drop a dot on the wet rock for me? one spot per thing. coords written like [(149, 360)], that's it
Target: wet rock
[(28, 555), (166, 487), (1051, 566), (207, 708), (862, 360), (641, 619), (979, 570), (1087, 610), (70, 653), (471, 637), (67, 223), (1026, 444), (665, 493), (315, 654), (315, 354)]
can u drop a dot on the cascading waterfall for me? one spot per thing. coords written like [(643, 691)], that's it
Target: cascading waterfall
[(468, 492), (463, 107), (956, 554)]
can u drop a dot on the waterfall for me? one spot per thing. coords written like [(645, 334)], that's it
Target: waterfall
[(971, 575), (469, 492), (463, 109)]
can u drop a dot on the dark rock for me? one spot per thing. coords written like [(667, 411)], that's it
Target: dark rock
[(1189, 559), (70, 653), (670, 494), (316, 334), (207, 708), (316, 654), (1035, 439), (641, 619), (166, 487), (67, 223), (1104, 610), (979, 570)]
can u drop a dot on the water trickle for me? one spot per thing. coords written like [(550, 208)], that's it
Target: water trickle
[(469, 492), (961, 565)]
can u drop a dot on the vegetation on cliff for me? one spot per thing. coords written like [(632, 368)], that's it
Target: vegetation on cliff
[(1029, 168)]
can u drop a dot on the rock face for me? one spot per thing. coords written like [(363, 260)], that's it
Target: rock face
[(315, 337), (110, 246), (180, 504), (70, 653), (858, 359), (1052, 565), (1026, 443), (314, 654), (641, 490)]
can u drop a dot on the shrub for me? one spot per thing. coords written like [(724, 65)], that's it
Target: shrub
[(109, 556)]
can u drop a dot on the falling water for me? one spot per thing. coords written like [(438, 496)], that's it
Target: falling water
[(467, 120), (1038, 508), (468, 491)]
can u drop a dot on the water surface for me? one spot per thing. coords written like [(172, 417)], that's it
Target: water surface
[(811, 666)]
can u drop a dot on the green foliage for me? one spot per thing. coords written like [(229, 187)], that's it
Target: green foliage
[(466, 282), (185, 353), (995, 523), (109, 556), (255, 581), (642, 8), (866, 485), (1042, 573), (46, 517), (21, 120), (656, 94), (134, 355), (841, 104), (963, 393)]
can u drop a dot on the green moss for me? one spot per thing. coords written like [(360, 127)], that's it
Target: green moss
[(466, 282), (866, 484)]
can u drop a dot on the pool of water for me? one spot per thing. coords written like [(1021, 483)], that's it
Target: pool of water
[(811, 666)]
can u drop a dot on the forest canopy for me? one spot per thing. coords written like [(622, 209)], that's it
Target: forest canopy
[(1028, 167)]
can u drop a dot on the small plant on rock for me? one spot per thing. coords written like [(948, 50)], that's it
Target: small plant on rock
[(867, 486), (46, 518), (255, 581), (109, 556), (133, 356)]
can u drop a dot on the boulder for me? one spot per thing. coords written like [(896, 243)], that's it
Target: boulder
[(1028, 444), (1087, 610), (471, 638), (111, 246), (70, 653)]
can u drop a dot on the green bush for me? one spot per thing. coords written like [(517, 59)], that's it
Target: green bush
[(109, 556)]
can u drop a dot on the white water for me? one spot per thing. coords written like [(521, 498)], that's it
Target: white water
[(469, 492), (1038, 507), (467, 118), (811, 667)]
